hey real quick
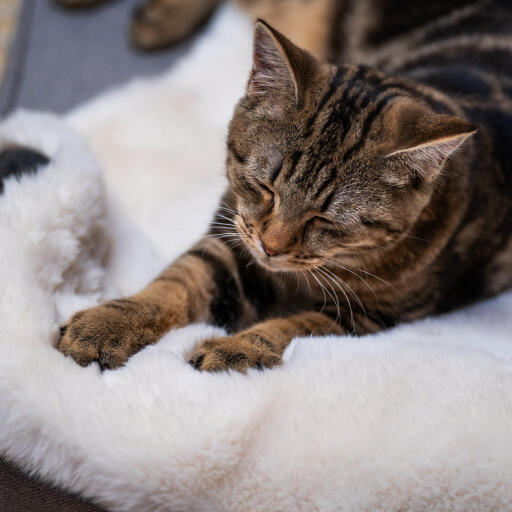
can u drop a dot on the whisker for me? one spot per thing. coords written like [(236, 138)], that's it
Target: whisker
[(230, 231), (338, 264), (298, 283), (336, 278), (228, 208), (418, 238), (232, 240), (340, 282), (246, 251), (231, 220), (321, 287), (307, 281), (223, 222), (226, 229), (349, 306), (377, 277), (334, 297), (374, 276), (220, 235)]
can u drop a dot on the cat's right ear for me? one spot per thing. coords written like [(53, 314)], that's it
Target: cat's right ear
[(280, 70)]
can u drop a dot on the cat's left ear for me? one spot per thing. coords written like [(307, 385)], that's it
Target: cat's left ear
[(423, 139), (280, 69)]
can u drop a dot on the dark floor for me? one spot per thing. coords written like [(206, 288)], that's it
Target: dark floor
[(18, 493), (61, 57)]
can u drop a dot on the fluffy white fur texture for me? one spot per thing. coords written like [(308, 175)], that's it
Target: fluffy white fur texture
[(417, 418)]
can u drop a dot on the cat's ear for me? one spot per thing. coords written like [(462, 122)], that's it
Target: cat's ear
[(423, 139), (280, 70)]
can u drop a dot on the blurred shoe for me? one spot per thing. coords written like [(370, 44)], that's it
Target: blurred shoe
[(161, 23)]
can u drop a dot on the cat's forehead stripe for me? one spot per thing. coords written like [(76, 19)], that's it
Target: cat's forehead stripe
[(328, 179), (334, 86)]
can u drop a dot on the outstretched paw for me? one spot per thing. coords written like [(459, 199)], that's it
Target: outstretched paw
[(108, 334), (239, 352)]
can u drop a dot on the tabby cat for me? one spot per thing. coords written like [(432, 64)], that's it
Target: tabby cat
[(363, 194)]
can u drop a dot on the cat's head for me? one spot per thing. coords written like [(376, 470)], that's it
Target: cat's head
[(330, 162)]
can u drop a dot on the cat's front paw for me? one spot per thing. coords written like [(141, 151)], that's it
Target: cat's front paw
[(108, 334), (239, 352)]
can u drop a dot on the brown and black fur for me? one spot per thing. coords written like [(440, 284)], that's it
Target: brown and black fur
[(360, 195)]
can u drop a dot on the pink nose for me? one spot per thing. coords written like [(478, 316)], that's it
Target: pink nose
[(269, 250)]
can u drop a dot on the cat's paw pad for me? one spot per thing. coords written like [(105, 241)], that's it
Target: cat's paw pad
[(106, 334), (235, 353)]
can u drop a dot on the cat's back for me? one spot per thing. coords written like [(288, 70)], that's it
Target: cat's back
[(466, 52), (460, 53), (459, 47)]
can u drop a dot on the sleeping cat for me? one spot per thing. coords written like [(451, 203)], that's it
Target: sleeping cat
[(360, 195)]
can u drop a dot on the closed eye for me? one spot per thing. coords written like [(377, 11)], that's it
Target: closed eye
[(322, 224), (267, 192), (322, 221)]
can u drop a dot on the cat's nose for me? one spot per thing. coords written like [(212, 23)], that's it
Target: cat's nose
[(277, 239), (273, 247), (269, 251)]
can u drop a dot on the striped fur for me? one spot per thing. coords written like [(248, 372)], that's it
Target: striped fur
[(360, 195)]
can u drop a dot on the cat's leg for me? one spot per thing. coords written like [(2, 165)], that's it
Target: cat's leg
[(263, 344), (202, 285), (160, 23)]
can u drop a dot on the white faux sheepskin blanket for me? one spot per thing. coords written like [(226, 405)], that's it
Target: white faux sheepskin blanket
[(417, 418)]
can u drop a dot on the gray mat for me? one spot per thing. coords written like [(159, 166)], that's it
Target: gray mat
[(60, 57)]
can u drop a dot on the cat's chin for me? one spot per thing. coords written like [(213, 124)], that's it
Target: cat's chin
[(282, 265), (278, 267)]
